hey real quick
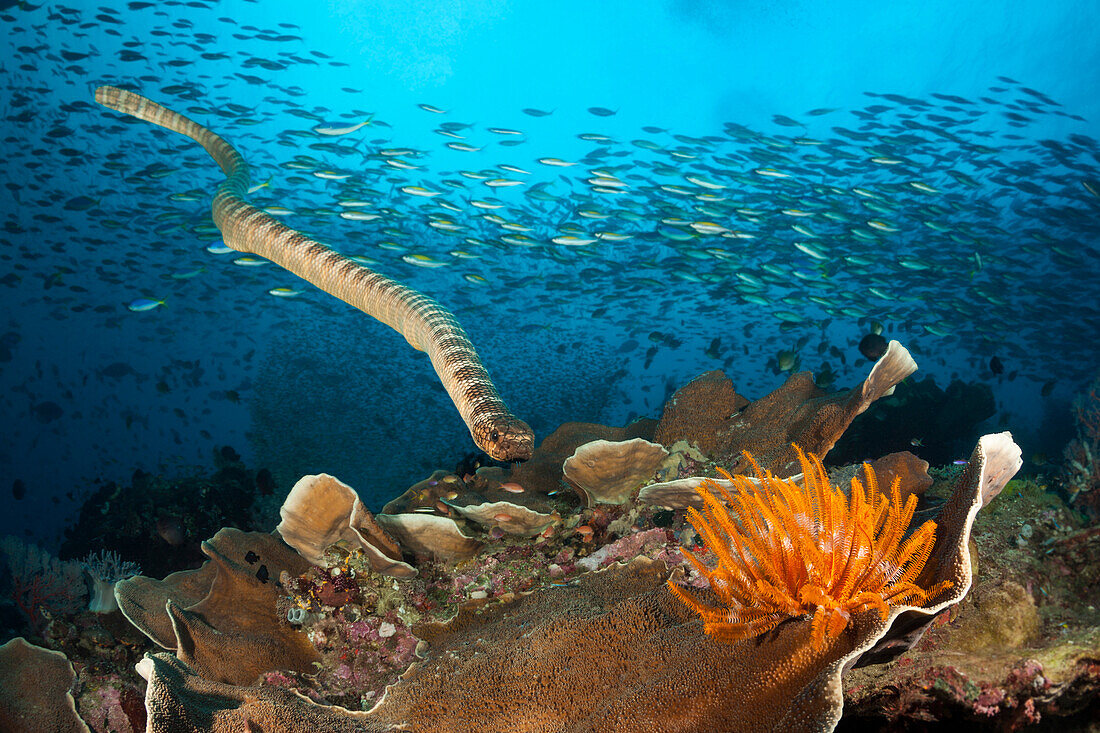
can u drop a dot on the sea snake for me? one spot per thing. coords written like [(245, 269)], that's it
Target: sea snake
[(424, 323)]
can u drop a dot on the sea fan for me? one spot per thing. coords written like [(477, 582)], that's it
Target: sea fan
[(787, 549)]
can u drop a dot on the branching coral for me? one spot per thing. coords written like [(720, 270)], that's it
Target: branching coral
[(786, 549), (37, 582)]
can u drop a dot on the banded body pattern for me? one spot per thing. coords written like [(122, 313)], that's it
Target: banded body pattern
[(424, 322)]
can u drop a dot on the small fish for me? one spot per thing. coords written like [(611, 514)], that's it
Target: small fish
[(419, 191), (354, 215), (811, 250), (258, 186), (572, 240), (421, 260), (882, 225), (704, 182), (333, 131), (786, 121), (430, 108), (284, 292), (602, 111), (80, 203), (502, 183), (771, 173), (140, 305), (557, 162), (188, 275), (171, 531), (916, 443), (923, 187)]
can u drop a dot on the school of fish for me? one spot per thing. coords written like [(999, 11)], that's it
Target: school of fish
[(939, 220)]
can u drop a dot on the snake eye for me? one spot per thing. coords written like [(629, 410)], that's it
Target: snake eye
[(495, 436)]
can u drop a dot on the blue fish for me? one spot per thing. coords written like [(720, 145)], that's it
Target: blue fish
[(140, 305)]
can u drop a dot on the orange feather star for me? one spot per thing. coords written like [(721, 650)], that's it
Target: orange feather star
[(787, 549)]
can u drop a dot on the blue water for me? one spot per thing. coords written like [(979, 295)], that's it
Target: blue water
[(99, 210)]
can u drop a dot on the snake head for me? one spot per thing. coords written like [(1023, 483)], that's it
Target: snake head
[(508, 440)]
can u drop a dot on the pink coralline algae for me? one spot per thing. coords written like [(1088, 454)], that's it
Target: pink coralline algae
[(109, 705), (361, 656), (626, 548)]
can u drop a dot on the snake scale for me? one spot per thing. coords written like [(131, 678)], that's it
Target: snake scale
[(424, 323)]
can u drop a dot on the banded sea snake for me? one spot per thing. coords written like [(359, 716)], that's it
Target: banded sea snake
[(424, 323)]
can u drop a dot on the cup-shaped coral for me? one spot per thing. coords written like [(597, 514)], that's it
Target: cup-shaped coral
[(787, 549), (606, 472)]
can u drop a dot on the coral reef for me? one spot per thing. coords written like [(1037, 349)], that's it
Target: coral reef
[(178, 700), (1081, 458), (543, 473), (504, 517), (531, 610), (221, 619), (909, 471), (699, 411), (512, 659), (109, 704), (1020, 650), (430, 536), (37, 584), (322, 510), (159, 523), (798, 412)]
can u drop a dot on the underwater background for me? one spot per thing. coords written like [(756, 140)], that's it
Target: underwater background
[(611, 197)]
